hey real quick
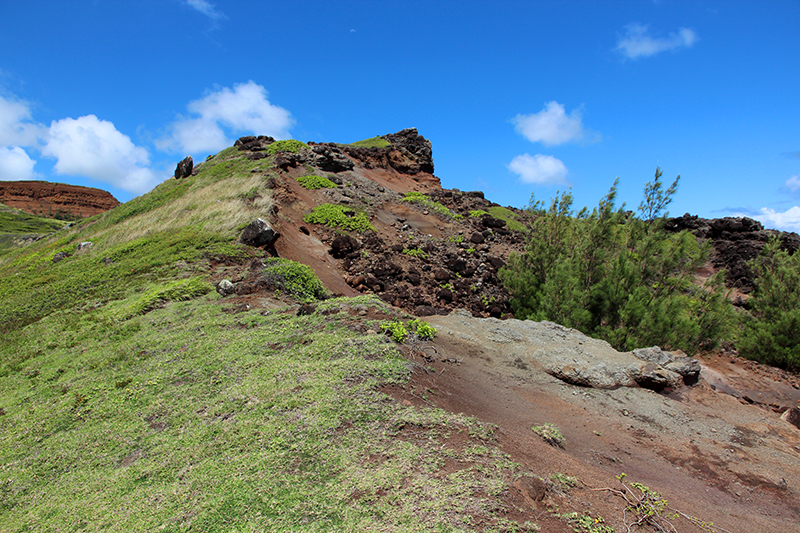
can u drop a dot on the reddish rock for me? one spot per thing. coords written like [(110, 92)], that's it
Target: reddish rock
[(50, 199)]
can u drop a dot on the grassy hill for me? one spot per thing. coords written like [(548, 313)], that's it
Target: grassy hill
[(16, 225), (133, 398)]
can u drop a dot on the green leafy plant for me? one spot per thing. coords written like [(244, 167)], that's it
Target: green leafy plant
[(478, 213), (339, 216), (395, 329), (415, 252), (550, 433), (314, 182), (422, 329), (289, 145), (586, 523), (456, 239)]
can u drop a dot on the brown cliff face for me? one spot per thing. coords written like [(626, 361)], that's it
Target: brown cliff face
[(51, 199)]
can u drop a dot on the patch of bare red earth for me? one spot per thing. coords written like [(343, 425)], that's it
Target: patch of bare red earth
[(726, 486)]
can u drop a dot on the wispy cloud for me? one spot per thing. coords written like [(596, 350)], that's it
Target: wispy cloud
[(539, 169), (638, 42), (552, 125), (793, 184), (244, 109), (206, 8), (94, 148)]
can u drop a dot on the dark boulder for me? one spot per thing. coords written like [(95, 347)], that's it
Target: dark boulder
[(184, 168), (259, 233), (344, 245)]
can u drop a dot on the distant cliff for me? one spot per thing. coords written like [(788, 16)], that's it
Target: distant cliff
[(55, 199)]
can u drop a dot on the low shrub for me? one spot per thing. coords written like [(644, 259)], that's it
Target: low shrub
[(551, 434), (289, 145), (339, 216), (313, 182), (295, 279), (396, 329)]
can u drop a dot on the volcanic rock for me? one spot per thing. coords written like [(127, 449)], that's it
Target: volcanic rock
[(259, 233), (184, 168)]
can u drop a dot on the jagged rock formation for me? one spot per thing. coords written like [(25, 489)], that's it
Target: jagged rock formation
[(735, 241), (54, 199)]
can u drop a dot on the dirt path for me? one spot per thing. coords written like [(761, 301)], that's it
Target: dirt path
[(710, 454)]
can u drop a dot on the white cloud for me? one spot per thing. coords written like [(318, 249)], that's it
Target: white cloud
[(15, 164), (206, 8), (637, 42), (551, 125), (15, 126), (539, 169), (789, 220), (793, 183), (94, 148), (244, 109)]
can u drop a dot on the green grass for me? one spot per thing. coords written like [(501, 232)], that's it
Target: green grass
[(19, 222), (510, 217), (34, 286), (15, 224), (339, 216), (376, 142), (419, 198), (190, 418)]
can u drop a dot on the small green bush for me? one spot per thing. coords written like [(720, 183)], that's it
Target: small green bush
[(551, 434), (289, 145), (396, 329), (293, 278), (422, 329), (478, 213), (339, 216), (313, 182)]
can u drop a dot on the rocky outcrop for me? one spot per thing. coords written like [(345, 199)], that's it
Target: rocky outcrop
[(408, 153), (564, 353), (184, 168), (735, 241), (55, 199)]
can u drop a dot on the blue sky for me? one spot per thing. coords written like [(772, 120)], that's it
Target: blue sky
[(517, 97)]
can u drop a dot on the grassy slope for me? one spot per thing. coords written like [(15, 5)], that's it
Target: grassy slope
[(15, 224), (188, 418)]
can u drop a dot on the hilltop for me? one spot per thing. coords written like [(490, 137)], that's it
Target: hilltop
[(243, 348)]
